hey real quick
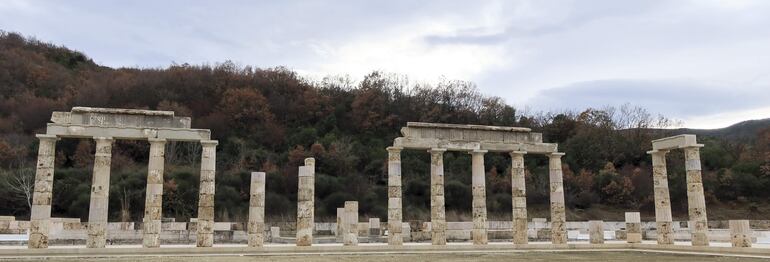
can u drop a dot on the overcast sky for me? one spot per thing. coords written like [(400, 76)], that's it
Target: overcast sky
[(704, 62)]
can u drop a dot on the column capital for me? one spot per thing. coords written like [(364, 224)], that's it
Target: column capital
[(437, 150), (659, 151), (310, 161), (209, 143), (512, 153), (478, 151), (46, 137), (101, 138), (394, 148), (257, 177), (692, 146), (156, 140), (556, 155)]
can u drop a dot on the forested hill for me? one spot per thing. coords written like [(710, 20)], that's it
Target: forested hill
[(744, 132), (269, 119)]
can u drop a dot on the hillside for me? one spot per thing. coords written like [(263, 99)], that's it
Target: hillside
[(745, 131)]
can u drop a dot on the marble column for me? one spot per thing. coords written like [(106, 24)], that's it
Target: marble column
[(395, 210), (696, 202), (100, 194), (633, 227), (519, 195), (340, 233), (558, 216), (437, 211), (305, 203), (740, 233), (40, 215), (153, 200), (351, 223), (205, 236), (596, 231), (256, 225), (479, 190), (663, 219), (374, 230)]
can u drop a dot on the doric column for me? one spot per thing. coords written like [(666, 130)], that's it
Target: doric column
[(153, 200), (696, 202), (351, 223), (596, 231), (256, 225), (340, 232), (479, 190), (40, 215), (519, 195), (100, 194), (395, 210), (305, 204), (740, 233), (633, 227), (206, 193), (558, 216), (663, 220), (437, 211)]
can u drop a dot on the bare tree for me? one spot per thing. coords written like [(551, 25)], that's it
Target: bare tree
[(21, 182)]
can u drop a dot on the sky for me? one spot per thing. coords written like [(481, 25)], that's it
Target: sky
[(703, 62)]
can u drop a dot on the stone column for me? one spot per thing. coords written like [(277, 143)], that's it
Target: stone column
[(206, 193), (256, 225), (558, 216), (740, 233), (696, 202), (633, 227), (305, 203), (663, 219), (340, 224), (275, 234), (395, 210), (479, 190), (351, 223), (40, 215), (437, 211), (153, 200), (100, 194), (596, 231), (374, 229), (519, 195)]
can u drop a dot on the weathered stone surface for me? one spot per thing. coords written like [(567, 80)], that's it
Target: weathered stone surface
[(695, 198), (437, 211), (662, 198), (305, 203), (351, 223), (633, 227), (205, 234), (395, 212), (596, 231), (674, 142), (256, 225), (558, 212), (740, 233), (41, 199), (519, 200), (455, 137), (100, 192), (154, 194), (479, 203)]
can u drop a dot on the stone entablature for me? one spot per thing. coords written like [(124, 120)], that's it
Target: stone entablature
[(453, 137)]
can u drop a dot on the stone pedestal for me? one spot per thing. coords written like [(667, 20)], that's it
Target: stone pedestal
[(256, 227), (663, 219), (275, 234), (740, 233), (596, 231), (633, 227), (205, 236), (340, 232), (558, 215), (479, 189), (351, 223), (305, 203), (153, 200), (519, 198), (100, 194), (437, 211), (40, 217), (374, 229), (395, 210), (696, 202)]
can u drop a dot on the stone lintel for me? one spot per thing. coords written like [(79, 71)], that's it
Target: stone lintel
[(82, 109), (674, 142), (473, 127), (130, 133), (425, 144), (478, 151)]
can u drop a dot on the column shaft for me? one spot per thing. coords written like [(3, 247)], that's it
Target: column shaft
[(633, 227), (437, 211), (519, 198), (305, 203), (696, 202), (740, 233), (256, 225), (153, 201), (100, 193), (558, 216), (351, 221), (40, 215), (479, 188), (596, 231), (205, 236), (395, 210), (340, 232), (663, 219)]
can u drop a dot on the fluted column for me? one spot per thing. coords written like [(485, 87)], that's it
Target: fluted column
[(206, 193), (596, 231), (153, 201), (696, 202), (340, 232), (305, 203), (663, 219), (519, 195), (351, 223), (40, 215), (633, 227), (740, 233), (479, 190), (437, 211), (256, 225), (100, 193), (558, 216), (395, 210)]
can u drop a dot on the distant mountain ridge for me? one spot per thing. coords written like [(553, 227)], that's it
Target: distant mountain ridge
[(745, 131)]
